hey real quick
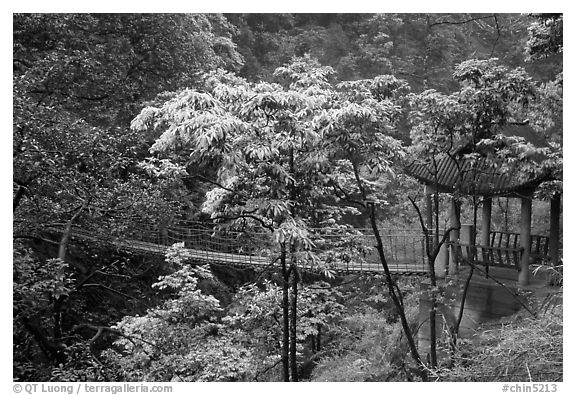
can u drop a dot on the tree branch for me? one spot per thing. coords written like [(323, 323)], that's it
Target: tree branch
[(358, 179), (20, 193), (270, 227), (461, 22), (117, 293), (101, 329), (22, 62), (488, 275), (433, 254), (85, 280), (267, 369), (497, 37), (346, 196), (216, 184), (32, 237)]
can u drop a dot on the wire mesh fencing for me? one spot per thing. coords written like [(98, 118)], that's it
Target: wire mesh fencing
[(351, 250)]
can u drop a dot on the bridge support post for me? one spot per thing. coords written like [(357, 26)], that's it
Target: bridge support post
[(525, 240)]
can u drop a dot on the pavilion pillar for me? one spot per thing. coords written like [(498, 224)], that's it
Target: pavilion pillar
[(486, 218), (441, 262), (554, 246), (454, 235), (429, 210), (525, 240), (468, 241), (429, 217)]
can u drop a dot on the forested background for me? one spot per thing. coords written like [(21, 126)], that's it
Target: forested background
[(82, 157)]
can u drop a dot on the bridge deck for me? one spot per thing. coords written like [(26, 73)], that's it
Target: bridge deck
[(397, 265), (404, 249)]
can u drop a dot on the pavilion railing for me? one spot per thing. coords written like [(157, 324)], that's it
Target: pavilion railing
[(507, 257), (539, 245)]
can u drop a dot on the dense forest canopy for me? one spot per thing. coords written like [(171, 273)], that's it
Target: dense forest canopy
[(128, 119), (86, 76)]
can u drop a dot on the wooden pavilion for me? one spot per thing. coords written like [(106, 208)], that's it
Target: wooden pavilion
[(455, 175)]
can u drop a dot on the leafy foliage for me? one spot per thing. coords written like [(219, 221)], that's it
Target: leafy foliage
[(370, 345), (164, 342), (191, 337), (469, 123), (270, 167), (545, 36), (95, 65), (77, 81)]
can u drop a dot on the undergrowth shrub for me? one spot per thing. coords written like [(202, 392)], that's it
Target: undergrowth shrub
[(371, 346), (516, 348)]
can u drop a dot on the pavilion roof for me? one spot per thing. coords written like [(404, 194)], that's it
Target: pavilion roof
[(480, 177)]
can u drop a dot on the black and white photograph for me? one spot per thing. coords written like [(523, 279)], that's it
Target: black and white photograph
[(286, 197)]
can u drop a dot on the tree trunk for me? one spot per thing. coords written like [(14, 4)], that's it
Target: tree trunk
[(432, 276), (433, 304), (62, 250), (456, 328), (285, 315), (20, 193), (293, 324), (436, 219), (67, 233), (431, 255), (432, 318), (395, 298), (51, 349), (294, 301)]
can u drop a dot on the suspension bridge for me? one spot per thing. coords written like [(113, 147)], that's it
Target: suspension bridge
[(342, 250)]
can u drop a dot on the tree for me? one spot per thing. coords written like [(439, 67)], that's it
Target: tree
[(191, 336), (179, 339), (468, 125), (545, 36), (260, 137), (281, 150), (363, 157), (103, 66), (468, 122), (545, 45), (422, 48), (77, 81)]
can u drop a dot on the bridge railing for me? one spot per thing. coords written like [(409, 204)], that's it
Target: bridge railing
[(351, 250), (404, 250)]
